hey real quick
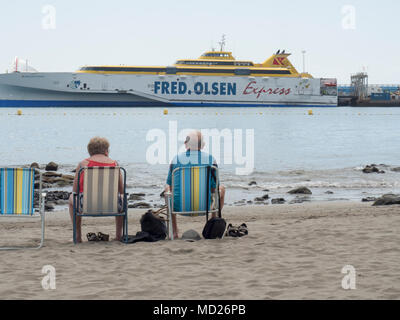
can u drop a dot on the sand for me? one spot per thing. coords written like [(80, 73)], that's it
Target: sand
[(292, 252)]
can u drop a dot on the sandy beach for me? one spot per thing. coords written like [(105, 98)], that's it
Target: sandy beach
[(292, 252)]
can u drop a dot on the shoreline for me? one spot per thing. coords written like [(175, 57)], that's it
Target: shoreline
[(261, 189), (291, 252)]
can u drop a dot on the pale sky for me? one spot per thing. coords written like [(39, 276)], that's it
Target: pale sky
[(160, 32)]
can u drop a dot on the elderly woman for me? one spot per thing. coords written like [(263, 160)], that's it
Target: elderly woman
[(98, 149)]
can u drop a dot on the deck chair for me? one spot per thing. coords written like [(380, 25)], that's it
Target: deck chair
[(192, 195), (17, 187), (100, 197)]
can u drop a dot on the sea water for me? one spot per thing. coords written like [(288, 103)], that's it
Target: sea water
[(325, 151)]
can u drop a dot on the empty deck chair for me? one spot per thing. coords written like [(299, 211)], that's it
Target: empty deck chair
[(100, 197), (17, 188), (191, 193)]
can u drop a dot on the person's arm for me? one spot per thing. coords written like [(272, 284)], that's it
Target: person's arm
[(78, 168), (169, 179), (121, 181), (214, 177)]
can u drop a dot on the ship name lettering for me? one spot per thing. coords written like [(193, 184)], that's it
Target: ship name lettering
[(252, 89)]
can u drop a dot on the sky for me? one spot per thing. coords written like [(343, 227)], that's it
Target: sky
[(339, 37)]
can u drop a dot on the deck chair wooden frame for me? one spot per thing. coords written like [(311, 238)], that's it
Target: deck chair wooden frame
[(21, 199), (212, 204), (100, 196)]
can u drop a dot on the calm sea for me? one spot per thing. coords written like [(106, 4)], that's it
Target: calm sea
[(325, 151)]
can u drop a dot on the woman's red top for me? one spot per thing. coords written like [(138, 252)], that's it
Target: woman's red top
[(94, 164)]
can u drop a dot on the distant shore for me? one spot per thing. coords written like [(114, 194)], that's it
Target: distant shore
[(291, 252)]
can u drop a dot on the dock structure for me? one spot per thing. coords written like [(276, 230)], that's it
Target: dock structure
[(361, 94)]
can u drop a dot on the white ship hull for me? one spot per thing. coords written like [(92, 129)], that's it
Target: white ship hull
[(113, 90)]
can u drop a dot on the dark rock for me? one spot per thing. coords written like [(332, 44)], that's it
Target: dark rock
[(52, 166), (61, 182), (136, 196), (329, 192), (252, 183), (139, 205), (162, 194), (369, 199), (241, 201), (265, 190), (387, 200), (371, 169), (249, 202), (35, 165), (51, 174), (278, 201), (262, 199), (68, 177), (301, 190), (395, 169)]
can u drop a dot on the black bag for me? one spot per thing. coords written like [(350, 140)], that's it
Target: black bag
[(214, 228), (153, 230), (153, 226)]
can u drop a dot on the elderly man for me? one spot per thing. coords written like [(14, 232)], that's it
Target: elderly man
[(191, 158)]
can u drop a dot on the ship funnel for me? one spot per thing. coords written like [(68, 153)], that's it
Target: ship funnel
[(280, 60)]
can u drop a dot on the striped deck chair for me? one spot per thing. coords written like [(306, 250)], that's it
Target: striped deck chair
[(17, 188), (100, 197), (191, 193)]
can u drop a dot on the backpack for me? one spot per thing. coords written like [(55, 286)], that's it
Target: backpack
[(214, 228)]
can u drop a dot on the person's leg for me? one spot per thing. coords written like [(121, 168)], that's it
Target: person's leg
[(222, 196), (175, 227), (119, 223), (222, 199), (78, 220)]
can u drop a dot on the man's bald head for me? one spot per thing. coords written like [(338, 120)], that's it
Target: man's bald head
[(194, 141)]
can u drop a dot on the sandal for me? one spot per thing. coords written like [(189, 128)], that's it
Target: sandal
[(232, 231), (242, 230), (103, 237), (237, 232), (92, 237)]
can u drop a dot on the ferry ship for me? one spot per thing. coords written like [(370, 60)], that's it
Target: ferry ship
[(215, 79)]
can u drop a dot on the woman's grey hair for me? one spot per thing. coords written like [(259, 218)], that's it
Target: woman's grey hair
[(98, 145)]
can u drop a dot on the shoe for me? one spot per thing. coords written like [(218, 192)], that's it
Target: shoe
[(92, 237), (103, 237)]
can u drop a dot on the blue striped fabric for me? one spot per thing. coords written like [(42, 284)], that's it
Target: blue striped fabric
[(17, 191), (190, 189)]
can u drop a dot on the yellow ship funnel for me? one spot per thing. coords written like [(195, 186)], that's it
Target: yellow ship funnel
[(280, 60)]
